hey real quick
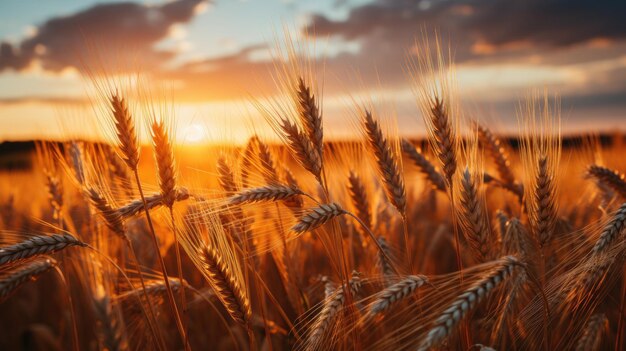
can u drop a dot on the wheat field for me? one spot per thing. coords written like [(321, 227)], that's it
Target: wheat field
[(468, 239)]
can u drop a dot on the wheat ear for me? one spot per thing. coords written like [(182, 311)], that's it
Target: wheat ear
[(295, 202), (153, 201), (225, 285), (329, 286), (265, 193), (443, 137), (317, 216), (126, 133), (396, 293), (494, 147), (544, 210), (302, 147), (226, 176), (110, 326), (129, 146), (332, 305), (611, 231), (37, 246), (473, 217), (386, 161), (450, 318), (153, 288), (507, 312), (55, 193), (267, 163), (310, 116), (424, 165), (118, 169), (247, 158), (164, 157), (13, 279), (76, 156), (112, 218), (516, 239), (359, 198), (591, 338), (610, 178), (382, 258)]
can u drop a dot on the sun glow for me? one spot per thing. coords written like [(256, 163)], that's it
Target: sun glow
[(194, 134)]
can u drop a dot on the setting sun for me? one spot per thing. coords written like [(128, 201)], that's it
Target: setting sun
[(193, 134)]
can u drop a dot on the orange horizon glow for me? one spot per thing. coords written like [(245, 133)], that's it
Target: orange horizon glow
[(212, 122)]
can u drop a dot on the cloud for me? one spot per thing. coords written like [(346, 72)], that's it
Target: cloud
[(547, 23), (224, 78), (552, 23), (479, 30), (124, 33), (553, 33)]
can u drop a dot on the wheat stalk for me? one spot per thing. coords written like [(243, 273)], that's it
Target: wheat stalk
[(386, 161), (37, 246), (501, 220), (467, 301)]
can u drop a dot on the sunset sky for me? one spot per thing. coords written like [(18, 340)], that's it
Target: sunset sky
[(215, 55)]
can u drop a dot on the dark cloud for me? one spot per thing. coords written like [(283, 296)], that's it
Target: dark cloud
[(496, 22), (552, 32), (477, 30), (120, 32), (547, 22)]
